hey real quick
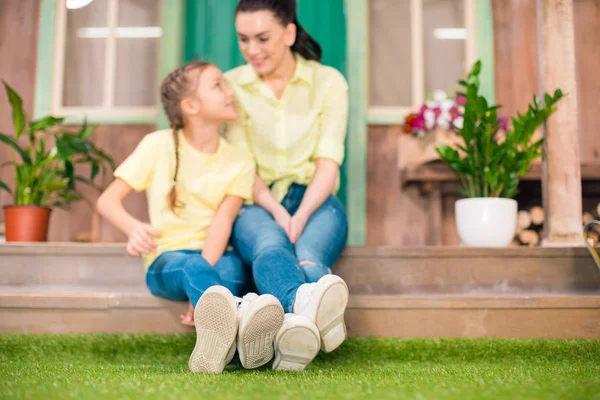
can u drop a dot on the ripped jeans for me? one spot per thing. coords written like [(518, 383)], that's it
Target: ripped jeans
[(278, 267)]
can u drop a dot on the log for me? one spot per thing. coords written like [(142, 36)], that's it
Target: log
[(594, 237), (537, 215), (515, 243), (523, 220), (529, 237), (587, 217)]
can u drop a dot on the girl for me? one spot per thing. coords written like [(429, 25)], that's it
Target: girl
[(195, 183), (293, 114)]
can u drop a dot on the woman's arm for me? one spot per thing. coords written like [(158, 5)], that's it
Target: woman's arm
[(264, 198), (318, 191), (220, 229), (140, 235)]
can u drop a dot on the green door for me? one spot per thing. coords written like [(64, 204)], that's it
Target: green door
[(210, 36)]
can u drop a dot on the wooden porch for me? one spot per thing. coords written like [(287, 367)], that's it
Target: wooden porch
[(410, 292)]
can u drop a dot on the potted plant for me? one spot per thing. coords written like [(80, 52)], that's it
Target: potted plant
[(45, 175), (490, 162)]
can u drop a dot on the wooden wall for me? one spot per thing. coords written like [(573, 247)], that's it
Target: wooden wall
[(402, 215), (82, 222), (18, 51), (517, 64), (19, 21)]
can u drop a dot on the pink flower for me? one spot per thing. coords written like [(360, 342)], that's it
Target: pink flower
[(460, 99)]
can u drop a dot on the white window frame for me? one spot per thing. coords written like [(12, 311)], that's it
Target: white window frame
[(390, 115), (108, 109)]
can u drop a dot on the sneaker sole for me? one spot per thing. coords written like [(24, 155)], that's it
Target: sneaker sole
[(295, 347), (330, 313), (255, 339), (216, 326)]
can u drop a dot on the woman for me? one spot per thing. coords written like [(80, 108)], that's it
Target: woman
[(292, 117)]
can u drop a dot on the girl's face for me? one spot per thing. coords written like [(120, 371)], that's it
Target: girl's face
[(212, 99), (263, 40)]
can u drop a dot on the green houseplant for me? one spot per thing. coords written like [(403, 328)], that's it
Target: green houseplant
[(45, 170), (491, 161)]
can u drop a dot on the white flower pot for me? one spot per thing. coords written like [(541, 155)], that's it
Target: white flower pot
[(486, 221)]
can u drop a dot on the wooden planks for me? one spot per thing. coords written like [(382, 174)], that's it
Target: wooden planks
[(398, 315), (18, 51), (395, 215), (366, 270)]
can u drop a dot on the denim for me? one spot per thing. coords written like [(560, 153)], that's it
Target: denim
[(275, 262), (185, 274)]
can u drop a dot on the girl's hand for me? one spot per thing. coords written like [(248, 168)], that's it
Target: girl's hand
[(141, 239), (283, 219), (188, 318), (297, 225)]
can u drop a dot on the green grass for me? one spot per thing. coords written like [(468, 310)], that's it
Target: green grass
[(155, 366)]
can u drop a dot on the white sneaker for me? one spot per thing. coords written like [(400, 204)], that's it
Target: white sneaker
[(297, 343), (260, 318), (216, 326), (324, 303)]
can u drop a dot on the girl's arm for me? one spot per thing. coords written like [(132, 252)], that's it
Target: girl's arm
[(220, 228), (318, 191), (140, 235)]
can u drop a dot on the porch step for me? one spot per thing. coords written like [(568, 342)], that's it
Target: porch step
[(366, 270), (84, 309)]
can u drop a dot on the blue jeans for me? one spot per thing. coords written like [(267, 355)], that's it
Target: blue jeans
[(275, 262), (185, 274)]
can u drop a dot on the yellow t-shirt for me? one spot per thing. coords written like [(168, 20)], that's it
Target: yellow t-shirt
[(203, 181), (287, 135)]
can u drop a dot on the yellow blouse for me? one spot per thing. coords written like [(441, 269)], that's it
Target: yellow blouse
[(287, 135)]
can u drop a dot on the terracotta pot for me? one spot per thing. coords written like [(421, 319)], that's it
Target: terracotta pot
[(26, 223)]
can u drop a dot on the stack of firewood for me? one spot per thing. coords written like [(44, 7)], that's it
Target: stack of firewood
[(530, 227)]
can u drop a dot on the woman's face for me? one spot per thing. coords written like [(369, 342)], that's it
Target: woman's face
[(212, 98), (263, 40)]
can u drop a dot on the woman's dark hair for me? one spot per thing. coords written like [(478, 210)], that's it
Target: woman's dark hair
[(285, 12)]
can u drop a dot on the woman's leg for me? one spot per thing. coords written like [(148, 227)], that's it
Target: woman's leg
[(323, 240), (264, 245), (180, 275), (259, 317)]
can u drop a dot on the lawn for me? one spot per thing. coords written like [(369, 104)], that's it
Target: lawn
[(155, 366)]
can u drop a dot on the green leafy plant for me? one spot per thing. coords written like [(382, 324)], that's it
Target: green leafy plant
[(491, 163), (45, 174)]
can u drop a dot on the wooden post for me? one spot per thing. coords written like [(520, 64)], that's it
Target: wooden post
[(562, 170)]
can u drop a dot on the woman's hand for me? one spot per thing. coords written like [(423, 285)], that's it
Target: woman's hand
[(141, 240), (297, 225), (283, 219)]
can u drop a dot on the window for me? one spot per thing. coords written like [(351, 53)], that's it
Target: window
[(415, 48), (106, 58)]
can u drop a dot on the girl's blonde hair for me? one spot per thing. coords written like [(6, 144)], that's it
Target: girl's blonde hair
[(175, 87)]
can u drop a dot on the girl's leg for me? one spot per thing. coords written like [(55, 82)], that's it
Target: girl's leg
[(233, 273), (264, 245), (180, 275), (323, 240)]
